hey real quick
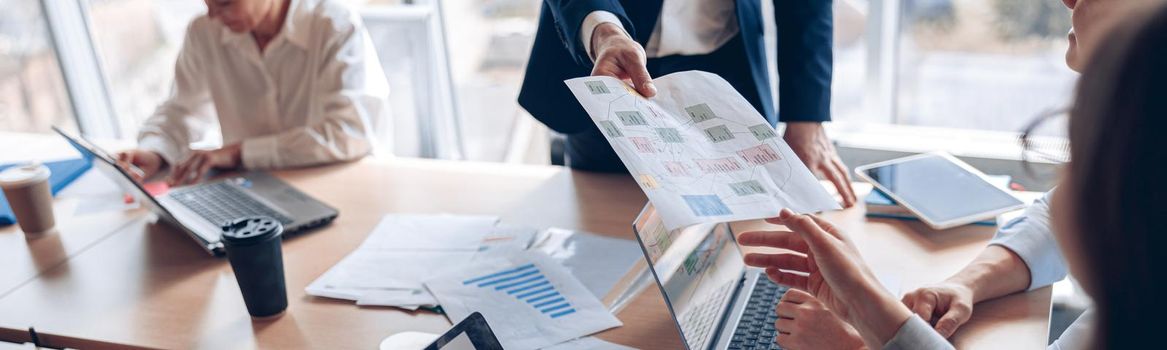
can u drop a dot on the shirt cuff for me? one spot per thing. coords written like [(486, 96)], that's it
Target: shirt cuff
[(170, 152), (593, 20), (1030, 237), (259, 153), (1040, 257), (916, 334)]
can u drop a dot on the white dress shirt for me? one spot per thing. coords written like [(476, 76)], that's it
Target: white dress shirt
[(685, 27), (310, 97)]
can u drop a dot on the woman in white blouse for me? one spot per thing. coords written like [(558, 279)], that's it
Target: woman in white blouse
[(1107, 217), (289, 83)]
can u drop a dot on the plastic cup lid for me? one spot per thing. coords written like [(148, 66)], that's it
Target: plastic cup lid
[(251, 230), (24, 175)]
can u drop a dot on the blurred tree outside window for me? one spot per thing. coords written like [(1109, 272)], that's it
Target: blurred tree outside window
[(33, 96)]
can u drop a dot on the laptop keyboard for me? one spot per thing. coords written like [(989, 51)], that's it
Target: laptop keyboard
[(756, 330), (221, 202), (698, 323)]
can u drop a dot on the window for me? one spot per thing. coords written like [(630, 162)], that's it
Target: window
[(968, 64), (137, 42), (958, 75), (981, 64), (33, 96), (489, 43), (482, 52)]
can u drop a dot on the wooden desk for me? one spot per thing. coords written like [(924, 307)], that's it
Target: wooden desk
[(909, 255), (146, 285), (24, 257)]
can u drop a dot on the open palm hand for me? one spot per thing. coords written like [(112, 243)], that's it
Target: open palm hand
[(800, 268), (822, 261)]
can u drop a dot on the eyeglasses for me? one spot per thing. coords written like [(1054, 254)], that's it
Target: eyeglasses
[(1035, 147)]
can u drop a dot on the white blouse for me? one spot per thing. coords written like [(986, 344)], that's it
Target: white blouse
[(313, 96)]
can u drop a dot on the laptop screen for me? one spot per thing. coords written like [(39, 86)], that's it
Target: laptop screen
[(107, 164), (698, 269)]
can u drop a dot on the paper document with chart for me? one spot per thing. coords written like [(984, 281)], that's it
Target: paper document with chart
[(529, 299), (699, 150)]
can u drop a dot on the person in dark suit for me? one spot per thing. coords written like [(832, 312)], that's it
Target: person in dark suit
[(635, 40)]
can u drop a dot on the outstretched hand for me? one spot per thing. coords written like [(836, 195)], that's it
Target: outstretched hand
[(819, 253), (825, 263)]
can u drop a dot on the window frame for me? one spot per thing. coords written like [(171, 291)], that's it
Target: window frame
[(85, 80)]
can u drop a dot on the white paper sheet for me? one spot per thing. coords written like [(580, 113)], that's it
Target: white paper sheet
[(699, 150), (530, 300), (421, 232), (409, 299), (395, 269), (402, 251)]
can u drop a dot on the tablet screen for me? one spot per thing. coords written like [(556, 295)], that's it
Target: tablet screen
[(940, 189)]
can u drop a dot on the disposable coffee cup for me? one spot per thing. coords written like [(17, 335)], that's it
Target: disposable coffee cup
[(27, 190), (253, 248)]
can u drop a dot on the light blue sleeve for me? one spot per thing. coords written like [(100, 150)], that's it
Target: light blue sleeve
[(1031, 238), (917, 334), (1079, 335)]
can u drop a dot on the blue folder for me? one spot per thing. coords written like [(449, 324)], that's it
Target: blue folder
[(63, 173)]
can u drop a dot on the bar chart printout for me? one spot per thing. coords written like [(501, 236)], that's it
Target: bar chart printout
[(527, 284), (529, 300)]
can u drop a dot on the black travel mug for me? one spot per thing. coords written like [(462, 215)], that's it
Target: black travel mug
[(253, 248)]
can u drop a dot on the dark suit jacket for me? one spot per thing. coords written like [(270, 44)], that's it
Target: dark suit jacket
[(804, 58)]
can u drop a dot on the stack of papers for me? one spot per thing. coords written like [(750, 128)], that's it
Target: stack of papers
[(537, 288), (402, 251), (530, 300)]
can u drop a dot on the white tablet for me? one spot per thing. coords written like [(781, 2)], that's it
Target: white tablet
[(942, 190)]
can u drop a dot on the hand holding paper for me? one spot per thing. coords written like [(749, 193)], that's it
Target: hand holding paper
[(699, 150)]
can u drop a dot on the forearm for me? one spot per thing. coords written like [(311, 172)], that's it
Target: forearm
[(303, 147), (996, 272), (171, 130), (339, 137), (878, 317)]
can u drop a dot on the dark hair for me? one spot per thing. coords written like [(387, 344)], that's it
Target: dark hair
[(1118, 181)]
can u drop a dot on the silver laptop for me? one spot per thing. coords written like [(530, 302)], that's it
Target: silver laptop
[(716, 300), (201, 210)]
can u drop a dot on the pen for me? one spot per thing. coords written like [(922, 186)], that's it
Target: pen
[(134, 170), (137, 171)]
